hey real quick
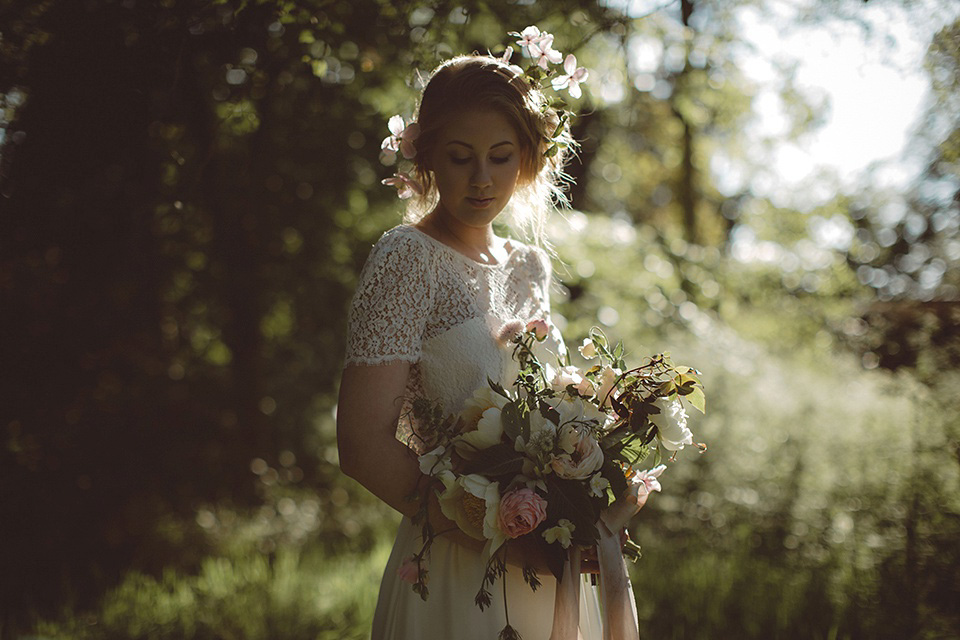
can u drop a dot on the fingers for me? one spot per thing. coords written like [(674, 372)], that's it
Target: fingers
[(642, 500)]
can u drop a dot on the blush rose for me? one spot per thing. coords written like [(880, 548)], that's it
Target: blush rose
[(521, 511)]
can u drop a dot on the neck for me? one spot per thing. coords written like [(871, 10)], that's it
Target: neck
[(477, 242)]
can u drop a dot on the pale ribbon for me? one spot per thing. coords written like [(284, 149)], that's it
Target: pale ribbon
[(618, 607)]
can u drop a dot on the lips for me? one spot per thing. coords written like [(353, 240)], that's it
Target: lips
[(480, 203)]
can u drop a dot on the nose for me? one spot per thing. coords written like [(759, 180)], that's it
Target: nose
[(481, 174)]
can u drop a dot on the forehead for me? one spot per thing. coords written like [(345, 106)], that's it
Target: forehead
[(478, 128)]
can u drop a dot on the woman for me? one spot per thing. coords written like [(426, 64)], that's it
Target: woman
[(430, 304)]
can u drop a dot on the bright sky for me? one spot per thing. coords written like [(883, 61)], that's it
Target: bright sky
[(873, 89)]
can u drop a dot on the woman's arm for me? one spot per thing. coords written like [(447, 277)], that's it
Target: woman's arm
[(367, 412)]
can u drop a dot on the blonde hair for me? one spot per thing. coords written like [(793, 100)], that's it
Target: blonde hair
[(477, 81)]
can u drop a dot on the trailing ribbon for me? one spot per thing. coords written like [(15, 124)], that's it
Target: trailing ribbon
[(566, 606), (619, 608)]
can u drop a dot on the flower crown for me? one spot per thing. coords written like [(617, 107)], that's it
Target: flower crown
[(534, 44)]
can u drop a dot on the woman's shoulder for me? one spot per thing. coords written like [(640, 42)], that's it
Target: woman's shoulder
[(531, 255), (402, 235), (401, 243)]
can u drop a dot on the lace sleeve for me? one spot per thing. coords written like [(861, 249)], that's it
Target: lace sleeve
[(391, 304)]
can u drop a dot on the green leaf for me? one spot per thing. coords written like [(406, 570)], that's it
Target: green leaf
[(618, 483), (618, 407), (569, 499), (500, 459), (598, 337), (551, 151), (510, 419), (698, 399), (549, 412), (635, 449), (497, 388)]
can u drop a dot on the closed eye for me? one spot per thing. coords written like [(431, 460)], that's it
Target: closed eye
[(456, 160), (501, 160)]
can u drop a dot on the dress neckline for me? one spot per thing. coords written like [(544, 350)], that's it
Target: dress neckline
[(510, 255)]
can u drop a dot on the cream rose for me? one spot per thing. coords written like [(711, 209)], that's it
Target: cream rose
[(585, 459)]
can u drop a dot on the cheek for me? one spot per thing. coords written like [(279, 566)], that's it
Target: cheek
[(510, 174)]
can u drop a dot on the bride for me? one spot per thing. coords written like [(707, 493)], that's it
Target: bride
[(424, 322)]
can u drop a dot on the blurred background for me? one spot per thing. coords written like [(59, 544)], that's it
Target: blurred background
[(188, 190)]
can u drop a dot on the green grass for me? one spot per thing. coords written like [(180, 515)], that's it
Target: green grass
[(255, 597)]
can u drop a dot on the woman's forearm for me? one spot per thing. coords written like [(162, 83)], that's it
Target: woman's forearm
[(386, 468)]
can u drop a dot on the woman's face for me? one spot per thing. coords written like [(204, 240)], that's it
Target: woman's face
[(476, 163)]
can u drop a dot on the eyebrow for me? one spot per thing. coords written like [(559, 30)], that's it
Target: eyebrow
[(470, 146)]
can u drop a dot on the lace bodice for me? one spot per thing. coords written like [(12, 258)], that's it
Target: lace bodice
[(421, 301)]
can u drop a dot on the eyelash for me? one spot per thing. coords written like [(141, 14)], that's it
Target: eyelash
[(501, 160)]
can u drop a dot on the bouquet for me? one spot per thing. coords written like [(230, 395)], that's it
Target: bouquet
[(553, 453)]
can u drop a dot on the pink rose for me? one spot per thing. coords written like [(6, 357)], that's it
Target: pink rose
[(539, 329), (409, 571), (521, 511)]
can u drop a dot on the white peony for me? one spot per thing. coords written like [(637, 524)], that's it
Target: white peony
[(488, 433), (482, 399), (482, 427), (489, 492), (435, 463), (473, 502), (671, 424)]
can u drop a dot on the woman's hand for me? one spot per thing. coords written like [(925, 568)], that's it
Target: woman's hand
[(618, 514), (590, 560)]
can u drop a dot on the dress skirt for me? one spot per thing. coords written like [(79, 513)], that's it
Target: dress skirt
[(455, 575)]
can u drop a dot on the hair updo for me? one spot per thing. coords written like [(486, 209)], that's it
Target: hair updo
[(472, 82)]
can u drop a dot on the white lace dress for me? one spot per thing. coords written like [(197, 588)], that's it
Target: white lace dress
[(422, 302)]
